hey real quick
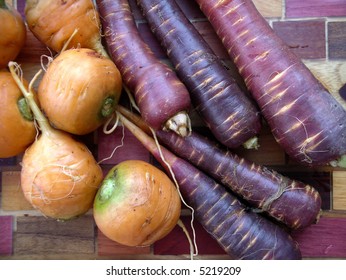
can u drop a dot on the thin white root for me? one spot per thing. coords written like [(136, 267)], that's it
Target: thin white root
[(33, 80), (181, 224), (67, 171), (49, 59), (111, 130), (117, 147), (194, 252), (69, 40), (131, 98)]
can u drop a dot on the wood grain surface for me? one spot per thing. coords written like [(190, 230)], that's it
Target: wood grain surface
[(314, 29)]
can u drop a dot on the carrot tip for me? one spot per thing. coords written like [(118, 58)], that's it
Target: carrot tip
[(180, 124)]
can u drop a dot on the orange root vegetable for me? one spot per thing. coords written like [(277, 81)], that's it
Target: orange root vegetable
[(17, 129), (59, 175), (13, 33), (54, 21), (137, 204), (80, 90)]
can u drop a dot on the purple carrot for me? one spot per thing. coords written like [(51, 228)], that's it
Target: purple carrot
[(242, 234), (291, 202), (210, 84), (162, 98), (304, 117)]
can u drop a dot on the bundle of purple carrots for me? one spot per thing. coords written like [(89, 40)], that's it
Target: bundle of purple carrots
[(283, 92), (249, 209)]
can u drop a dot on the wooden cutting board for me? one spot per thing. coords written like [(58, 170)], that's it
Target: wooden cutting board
[(314, 31)]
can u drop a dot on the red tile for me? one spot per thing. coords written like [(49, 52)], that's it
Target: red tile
[(6, 235), (114, 151), (326, 239), (176, 242), (315, 8), (305, 38)]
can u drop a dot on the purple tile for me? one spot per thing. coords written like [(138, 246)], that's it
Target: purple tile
[(337, 39), (6, 235), (305, 38), (315, 8)]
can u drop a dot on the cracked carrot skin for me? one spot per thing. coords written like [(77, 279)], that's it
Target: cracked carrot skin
[(304, 117), (242, 234), (210, 85), (292, 203), (158, 92)]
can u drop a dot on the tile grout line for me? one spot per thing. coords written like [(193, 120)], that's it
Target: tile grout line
[(326, 38), (283, 9)]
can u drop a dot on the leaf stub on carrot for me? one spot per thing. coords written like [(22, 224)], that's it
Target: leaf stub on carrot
[(242, 234), (158, 92), (304, 118), (210, 85)]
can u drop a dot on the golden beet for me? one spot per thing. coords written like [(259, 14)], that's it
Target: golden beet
[(80, 90), (137, 204), (59, 175)]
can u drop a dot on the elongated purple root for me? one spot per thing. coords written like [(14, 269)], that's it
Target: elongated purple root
[(291, 202), (242, 234), (210, 85), (304, 118), (161, 97)]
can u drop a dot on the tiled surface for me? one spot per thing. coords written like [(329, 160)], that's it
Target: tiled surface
[(314, 29), (326, 239), (337, 39), (6, 235), (305, 38), (315, 8)]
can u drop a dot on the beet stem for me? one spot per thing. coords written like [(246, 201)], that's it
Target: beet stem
[(29, 95)]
